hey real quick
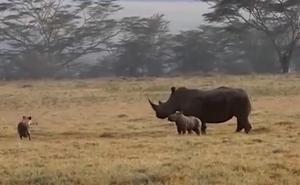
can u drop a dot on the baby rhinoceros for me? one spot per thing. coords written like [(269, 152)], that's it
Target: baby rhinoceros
[(23, 127), (185, 123)]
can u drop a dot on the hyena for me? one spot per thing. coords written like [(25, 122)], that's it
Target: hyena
[(24, 127)]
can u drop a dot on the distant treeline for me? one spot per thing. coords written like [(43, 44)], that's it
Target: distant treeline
[(56, 39)]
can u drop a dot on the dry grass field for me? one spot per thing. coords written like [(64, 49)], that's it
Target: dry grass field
[(103, 131)]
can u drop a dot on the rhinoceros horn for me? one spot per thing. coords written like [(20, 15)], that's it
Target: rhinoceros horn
[(154, 106)]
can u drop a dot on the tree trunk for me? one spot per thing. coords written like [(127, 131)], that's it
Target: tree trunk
[(285, 66), (285, 61)]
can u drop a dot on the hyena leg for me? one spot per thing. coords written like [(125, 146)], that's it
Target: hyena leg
[(190, 131), (29, 136)]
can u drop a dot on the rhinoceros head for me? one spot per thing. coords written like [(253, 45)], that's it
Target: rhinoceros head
[(164, 109)]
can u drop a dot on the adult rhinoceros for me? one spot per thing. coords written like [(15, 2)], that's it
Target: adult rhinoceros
[(210, 106)]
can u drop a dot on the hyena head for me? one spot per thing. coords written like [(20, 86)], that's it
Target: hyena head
[(27, 119)]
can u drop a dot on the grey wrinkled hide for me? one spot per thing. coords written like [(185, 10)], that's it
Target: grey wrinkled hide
[(210, 106), (185, 123)]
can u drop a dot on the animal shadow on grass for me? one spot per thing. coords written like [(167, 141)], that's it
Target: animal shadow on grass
[(142, 177), (78, 134), (122, 116), (289, 125), (5, 136), (27, 86), (261, 130), (279, 151), (285, 123), (127, 135)]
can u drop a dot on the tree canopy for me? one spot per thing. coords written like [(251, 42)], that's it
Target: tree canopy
[(57, 30), (277, 19), (143, 47)]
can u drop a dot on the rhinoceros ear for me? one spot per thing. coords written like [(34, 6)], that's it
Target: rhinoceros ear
[(173, 89)]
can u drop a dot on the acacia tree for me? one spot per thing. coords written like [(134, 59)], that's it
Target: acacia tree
[(57, 32), (143, 47), (194, 50), (279, 20)]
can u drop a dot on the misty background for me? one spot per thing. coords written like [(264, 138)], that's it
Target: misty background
[(86, 39), (182, 14)]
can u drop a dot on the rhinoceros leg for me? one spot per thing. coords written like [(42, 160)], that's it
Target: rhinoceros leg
[(197, 131), (203, 127), (248, 127), (178, 130), (240, 125), (183, 130), (243, 123)]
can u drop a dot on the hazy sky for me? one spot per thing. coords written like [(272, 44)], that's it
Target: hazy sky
[(182, 14)]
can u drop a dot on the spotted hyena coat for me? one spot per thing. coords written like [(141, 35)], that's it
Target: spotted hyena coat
[(24, 127)]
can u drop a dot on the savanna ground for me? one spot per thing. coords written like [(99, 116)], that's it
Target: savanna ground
[(103, 131)]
